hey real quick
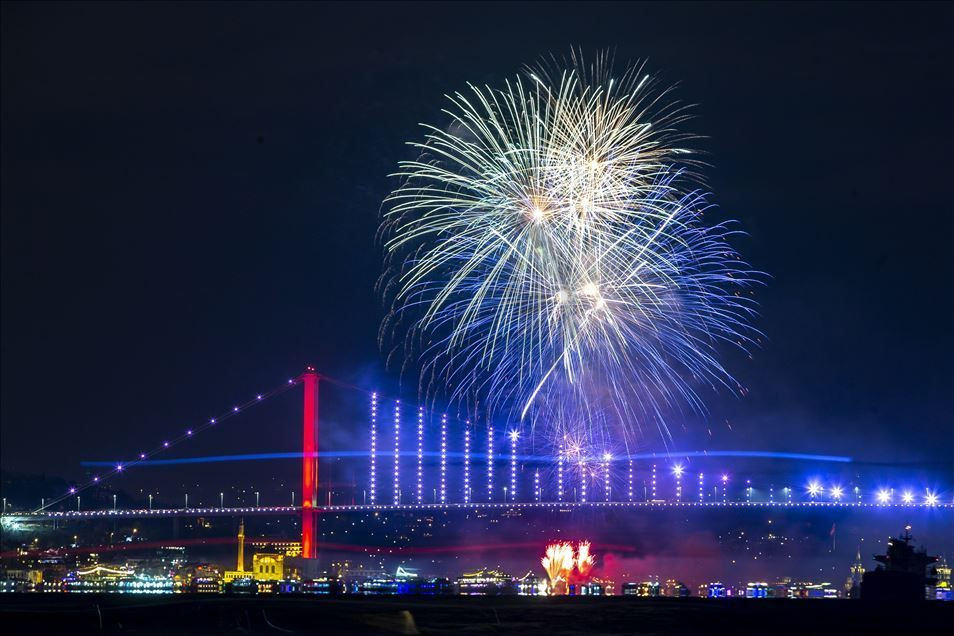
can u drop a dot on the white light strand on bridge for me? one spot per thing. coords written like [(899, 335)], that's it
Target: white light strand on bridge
[(467, 462), (678, 472), (443, 459), (397, 452), (514, 436), (582, 481), (189, 433), (560, 476), (420, 455), (606, 476), (490, 462), (630, 480), (374, 448)]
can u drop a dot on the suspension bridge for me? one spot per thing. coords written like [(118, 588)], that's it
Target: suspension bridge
[(493, 473)]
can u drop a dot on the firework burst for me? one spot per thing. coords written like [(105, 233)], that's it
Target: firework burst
[(558, 563), (584, 560), (547, 257)]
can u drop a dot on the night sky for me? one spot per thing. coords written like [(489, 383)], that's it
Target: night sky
[(190, 195)]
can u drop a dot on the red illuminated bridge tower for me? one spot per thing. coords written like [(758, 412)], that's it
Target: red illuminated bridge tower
[(309, 473)]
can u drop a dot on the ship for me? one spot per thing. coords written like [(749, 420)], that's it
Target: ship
[(903, 573)]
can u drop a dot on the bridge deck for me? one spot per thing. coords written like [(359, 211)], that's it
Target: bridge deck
[(291, 510)]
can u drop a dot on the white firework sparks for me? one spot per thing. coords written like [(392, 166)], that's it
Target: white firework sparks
[(547, 256)]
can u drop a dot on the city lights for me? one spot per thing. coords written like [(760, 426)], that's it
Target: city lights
[(837, 492), (907, 497), (560, 475), (884, 496), (814, 489), (677, 471), (930, 498), (606, 476)]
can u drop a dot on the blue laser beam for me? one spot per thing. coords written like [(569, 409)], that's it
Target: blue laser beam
[(435, 454)]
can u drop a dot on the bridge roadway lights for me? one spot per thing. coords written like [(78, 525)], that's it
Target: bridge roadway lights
[(296, 510)]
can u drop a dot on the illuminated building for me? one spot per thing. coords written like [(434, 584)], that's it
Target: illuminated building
[(322, 586), (239, 571), (485, 582), (287, 548), (205, 585), (758, 589), (201, 579), (268, 567), (99, 578), (351, 574), (812, 590), (712, 590), (675, 589), (942, 589), (531, 585), (853, 584), (644, 589)]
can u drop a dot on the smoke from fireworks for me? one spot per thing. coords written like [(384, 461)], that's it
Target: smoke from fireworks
[(547, 256)]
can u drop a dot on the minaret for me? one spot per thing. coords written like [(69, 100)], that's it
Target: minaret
[(240, 566), (853, 584)]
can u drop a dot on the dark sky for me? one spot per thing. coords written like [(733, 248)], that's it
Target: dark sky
[(190, 194)]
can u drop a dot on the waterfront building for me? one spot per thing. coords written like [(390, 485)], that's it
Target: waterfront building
[(486, 582)]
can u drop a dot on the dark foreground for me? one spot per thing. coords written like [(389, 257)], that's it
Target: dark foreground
[(182, 614)]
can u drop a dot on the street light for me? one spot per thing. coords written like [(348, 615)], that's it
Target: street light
[(221, 500), (150, 502), (114, 501), (256, 499)]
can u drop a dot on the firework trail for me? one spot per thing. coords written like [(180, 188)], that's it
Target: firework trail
[(547, 257)]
